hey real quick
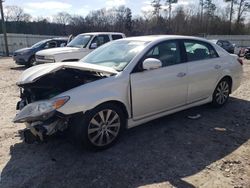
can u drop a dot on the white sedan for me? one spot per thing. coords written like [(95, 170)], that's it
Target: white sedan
[(123, 84)]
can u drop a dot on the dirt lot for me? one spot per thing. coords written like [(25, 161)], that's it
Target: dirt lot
[(174, 151)]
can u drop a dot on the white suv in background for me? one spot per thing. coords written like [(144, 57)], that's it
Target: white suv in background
[(79, 47)]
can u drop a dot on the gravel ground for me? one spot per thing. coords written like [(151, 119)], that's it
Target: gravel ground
[(174, 151)]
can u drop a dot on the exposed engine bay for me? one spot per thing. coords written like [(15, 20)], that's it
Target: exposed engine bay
[(55, 83), (49, 122)]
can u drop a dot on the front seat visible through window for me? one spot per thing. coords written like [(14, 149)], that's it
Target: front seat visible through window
[(167, 52)]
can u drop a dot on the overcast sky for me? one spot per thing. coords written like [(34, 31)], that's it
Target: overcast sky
[(48, 8)]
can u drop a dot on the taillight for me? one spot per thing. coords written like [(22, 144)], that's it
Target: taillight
[(240, 61)]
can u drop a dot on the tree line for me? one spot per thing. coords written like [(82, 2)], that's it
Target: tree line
[(165, 17)]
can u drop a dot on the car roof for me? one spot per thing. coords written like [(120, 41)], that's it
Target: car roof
[(60, 38), (98, 33), (151, 38)]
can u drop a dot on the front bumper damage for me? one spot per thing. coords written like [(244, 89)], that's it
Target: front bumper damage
[(41, 127), (39, 131)]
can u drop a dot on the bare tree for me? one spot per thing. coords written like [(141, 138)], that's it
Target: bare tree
[(128, 20), (184, 20), (169, 4), (209, 8), (232, 2), (63, 18), (16, 14), (156, 4), (243, 7), (201, 3)]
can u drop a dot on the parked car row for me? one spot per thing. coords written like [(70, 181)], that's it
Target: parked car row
[(226, 45), (83, 44), (26, 56), (50, 51), (247, 53), (233, 49), (121, 84)]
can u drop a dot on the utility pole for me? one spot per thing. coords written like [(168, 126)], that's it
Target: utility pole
[(4, 29)]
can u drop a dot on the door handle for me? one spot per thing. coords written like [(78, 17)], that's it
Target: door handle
[(181, 74), (217, 66)]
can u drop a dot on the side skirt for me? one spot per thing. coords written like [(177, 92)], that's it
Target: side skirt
[(133, 123)]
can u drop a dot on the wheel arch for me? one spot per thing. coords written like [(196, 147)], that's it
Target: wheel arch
[(117, 103), (229, 78), (32, 56)]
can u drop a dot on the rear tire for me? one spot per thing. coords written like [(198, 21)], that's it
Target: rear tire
[(99, 128), (221, 93)]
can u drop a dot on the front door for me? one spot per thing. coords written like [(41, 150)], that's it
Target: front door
[(165, 88)]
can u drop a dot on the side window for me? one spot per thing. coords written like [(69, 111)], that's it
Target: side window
[(100, 40), (116, 37), (167, 52), (61, 43), (219, 43), (199, 51), (225, 43), (50, 44)]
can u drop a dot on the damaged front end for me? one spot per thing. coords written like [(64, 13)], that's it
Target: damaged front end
[(42, 119), (39, 104)]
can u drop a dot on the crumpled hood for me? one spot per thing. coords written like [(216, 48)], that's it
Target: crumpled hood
[(34, 73), (59, 50)]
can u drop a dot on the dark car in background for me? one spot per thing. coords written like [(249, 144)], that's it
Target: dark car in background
[(26, 56), (225, 44), (247, 53)]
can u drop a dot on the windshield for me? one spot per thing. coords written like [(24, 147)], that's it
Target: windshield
[(39, 44), (80, 41), (115, 54)]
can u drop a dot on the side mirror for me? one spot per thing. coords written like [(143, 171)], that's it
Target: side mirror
[(93, 46), (151, 63)]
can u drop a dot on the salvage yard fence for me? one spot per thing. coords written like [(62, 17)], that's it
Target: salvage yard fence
[(239, 40), (18, 41)]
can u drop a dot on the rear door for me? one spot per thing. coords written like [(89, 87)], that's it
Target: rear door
[(204, 68)]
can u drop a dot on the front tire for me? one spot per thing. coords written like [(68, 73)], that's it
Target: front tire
[(99, 128), (221, 93), (32, 62)]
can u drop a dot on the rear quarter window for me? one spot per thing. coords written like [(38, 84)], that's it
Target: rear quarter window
[(116, 37), (198, 50)]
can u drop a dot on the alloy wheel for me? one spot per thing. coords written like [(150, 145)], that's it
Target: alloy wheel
[(222, 92), (104, 127)]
